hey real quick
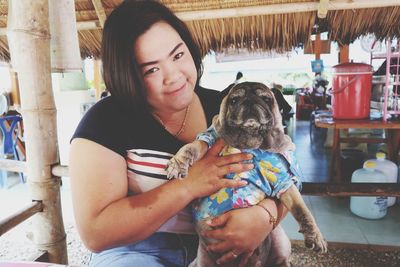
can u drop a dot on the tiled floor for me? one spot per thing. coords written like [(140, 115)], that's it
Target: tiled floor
[(332, 214)]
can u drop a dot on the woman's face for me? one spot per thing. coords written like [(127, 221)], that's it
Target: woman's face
[(167, 68)]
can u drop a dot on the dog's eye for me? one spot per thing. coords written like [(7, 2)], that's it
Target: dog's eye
[(234, 100), (267, 99)]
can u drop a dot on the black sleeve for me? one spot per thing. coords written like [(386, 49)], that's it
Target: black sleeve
[(284, 106), (105, 125)]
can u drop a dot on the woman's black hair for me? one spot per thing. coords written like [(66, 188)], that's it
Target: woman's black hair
[(122, 28)]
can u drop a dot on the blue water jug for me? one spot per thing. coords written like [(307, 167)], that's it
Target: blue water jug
[(368, 207)]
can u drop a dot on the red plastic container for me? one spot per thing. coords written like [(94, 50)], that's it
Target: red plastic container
[(351, 91)]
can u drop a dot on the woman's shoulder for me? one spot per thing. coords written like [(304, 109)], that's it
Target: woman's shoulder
[(105, 123), (105, 111)]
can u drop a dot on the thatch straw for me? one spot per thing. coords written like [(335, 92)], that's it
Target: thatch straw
[(90, 43), (4, 52), (347, 25), (273, 32)]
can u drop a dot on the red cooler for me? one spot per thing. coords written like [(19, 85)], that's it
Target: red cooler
[(351, 91)]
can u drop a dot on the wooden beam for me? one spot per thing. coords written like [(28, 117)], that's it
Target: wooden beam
[(88, 25), (12, 165), (282, 9), (101, 13), (252, 11), (20, 216), (81, 26), (351, 189), (39, 256), (60, 170), (322, 8)]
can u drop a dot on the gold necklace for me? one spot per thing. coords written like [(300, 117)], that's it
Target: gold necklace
[(182, 128)]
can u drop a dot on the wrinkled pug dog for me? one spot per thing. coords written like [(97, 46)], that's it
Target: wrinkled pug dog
[(249, 121)]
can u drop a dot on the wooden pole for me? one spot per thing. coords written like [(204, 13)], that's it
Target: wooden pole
[(15, 97), (317, 47), (344, 54), (29, 39)]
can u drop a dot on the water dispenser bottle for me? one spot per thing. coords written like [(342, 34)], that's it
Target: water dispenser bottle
[(389, 168), (368, 207)]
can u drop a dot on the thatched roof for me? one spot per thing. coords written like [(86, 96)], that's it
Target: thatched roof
[(265, 24)]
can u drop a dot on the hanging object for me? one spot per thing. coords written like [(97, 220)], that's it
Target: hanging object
[(64, 44)]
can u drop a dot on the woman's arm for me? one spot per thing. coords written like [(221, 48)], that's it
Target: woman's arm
[(106, 217), (243, 230)]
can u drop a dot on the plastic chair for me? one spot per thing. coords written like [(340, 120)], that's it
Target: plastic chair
[(9, 129), (304, 106)]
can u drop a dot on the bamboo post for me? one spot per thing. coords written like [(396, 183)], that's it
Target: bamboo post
[(97, 80), (29, 39)]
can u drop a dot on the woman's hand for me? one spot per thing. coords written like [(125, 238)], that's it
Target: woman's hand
[(240, 232), (206, 176)]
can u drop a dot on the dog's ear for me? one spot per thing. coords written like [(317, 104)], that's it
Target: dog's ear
[(276, 140), (218, 120)]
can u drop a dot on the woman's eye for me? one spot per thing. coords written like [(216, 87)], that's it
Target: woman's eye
[(150, 71), (178, 56)]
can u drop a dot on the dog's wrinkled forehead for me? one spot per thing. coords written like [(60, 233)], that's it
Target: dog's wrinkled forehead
[(246, 88)]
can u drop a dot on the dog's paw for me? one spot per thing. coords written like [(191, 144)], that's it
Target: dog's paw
[(316, 241), (176, 168)]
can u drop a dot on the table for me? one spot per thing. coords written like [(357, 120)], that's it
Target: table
[(392, 137)]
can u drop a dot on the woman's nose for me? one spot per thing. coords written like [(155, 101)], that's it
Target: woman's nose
[(171, 74)]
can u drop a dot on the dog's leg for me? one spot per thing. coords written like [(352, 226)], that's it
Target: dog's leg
[(296, 205), (280, 251), (267, 254), (178, 166), (205, 258), (261, 254)]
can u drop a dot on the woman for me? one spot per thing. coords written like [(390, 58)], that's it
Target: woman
[(126, 211)]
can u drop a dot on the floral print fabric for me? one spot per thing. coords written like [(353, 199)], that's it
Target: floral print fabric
[(271, 176)]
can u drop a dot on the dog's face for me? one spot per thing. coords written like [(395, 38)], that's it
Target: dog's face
[(249, 118)]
